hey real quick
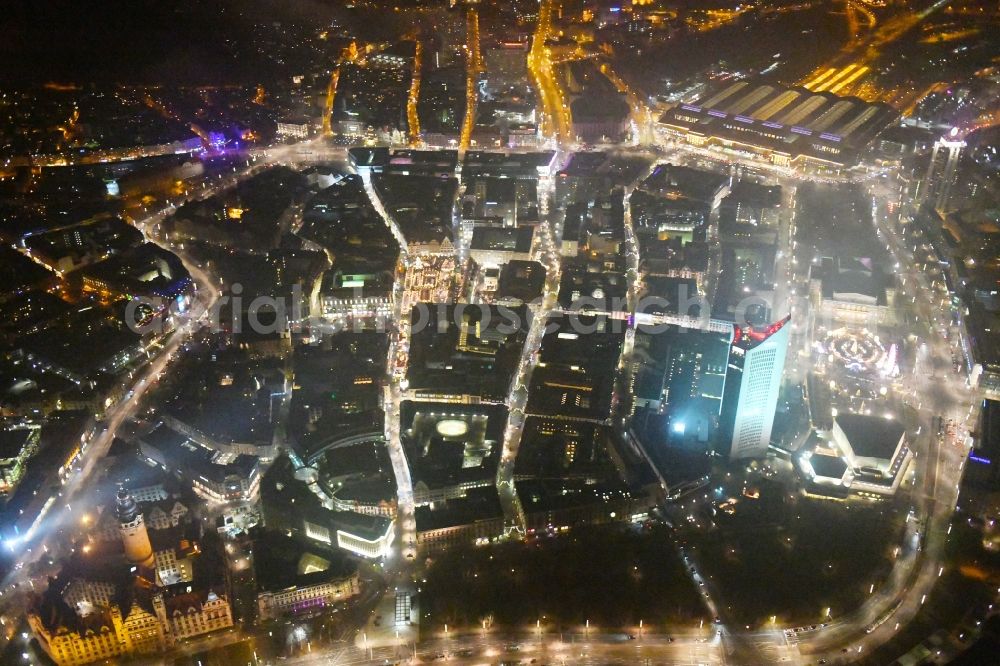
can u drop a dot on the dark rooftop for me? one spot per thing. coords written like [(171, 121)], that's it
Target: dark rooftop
[(676, 181), (12, 441), (369, 157), (146, 269), (428, 162), (585, 164), (575, 375), (450, 444), (516, 165), (87, 341), (194, 459), (287, 501), (558, 494), (466, 349), (584, 288), (477, 504), (281, 562), (521, 280), (421, 205), (564, 449), (988, 444), (871, 436), (828, 466), (502, 239)]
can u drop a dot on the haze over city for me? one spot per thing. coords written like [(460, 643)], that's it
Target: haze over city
[(576, 332)]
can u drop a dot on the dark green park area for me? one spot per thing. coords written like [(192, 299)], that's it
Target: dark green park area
[(613, 576), (794, 557)]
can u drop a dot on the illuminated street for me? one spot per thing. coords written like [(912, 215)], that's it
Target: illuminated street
[(555, 112)]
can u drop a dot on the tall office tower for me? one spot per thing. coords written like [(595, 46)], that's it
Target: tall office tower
[(943, 169), (138, 549), (750, 395)]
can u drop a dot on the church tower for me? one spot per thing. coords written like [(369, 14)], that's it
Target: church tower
[(138, 550)]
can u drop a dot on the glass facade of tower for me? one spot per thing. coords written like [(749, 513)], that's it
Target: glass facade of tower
[(750, 396)]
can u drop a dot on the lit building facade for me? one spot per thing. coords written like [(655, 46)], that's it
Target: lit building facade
[(85, 620), (783, 126), (193, 613), (101, 637), (477, 532), (373, 548), (272, 603), (294, 129), (17, 446), (147, 627), (138, 549), (750, 395)]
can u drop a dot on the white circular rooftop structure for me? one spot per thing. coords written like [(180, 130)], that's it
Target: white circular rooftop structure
[(452, 428)]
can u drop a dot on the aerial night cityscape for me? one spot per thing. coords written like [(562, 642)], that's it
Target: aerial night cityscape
[(495, 332)]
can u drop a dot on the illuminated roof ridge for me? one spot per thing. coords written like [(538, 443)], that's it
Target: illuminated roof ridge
[(751, 336)]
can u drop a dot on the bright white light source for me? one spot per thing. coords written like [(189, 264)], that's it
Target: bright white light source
[(452, 428)]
